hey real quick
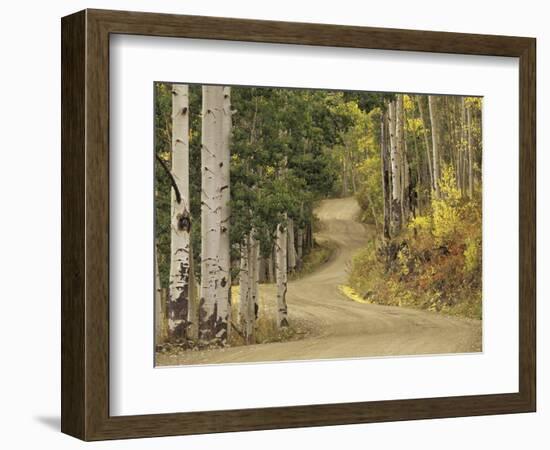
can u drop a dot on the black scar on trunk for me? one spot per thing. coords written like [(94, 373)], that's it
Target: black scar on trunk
[(184, 221), (178, 308), (212, 329)]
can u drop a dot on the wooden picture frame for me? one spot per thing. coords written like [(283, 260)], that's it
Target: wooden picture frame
[(85, 224)]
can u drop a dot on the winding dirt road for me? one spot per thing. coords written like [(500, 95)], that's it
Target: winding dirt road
[(341, 327)]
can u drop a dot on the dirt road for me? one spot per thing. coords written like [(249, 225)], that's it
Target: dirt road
[(341, 327)]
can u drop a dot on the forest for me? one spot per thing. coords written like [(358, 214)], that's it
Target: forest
[(276, 207)]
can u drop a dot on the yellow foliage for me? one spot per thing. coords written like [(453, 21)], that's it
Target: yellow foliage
[(414, 125), (408, 103), (446, 210), (472, 255), (422, 224), (350, 293)]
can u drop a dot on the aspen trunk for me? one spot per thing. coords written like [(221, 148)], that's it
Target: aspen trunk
[(254, 260), (418, 199), (385, 174), (463, 166), (193, 313), (395, 222), (178, 298), (214, 301), (299, 247), (245, 318), (225, 192), (435, 142), (400, 133), (281, 276), (291, 251), (470, 156), (426, 139), (406, 187)]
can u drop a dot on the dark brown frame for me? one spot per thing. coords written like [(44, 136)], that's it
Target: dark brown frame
[(85, 224)]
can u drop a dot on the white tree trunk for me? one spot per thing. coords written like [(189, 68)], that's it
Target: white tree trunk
[(435, 142), (426, 139), (254, 262), (244, 290), (470, 156), (395, 224), (178, 298), (249, 292), (281, 275), (214, 302), (291, 247), (225, 244), (400, 135)]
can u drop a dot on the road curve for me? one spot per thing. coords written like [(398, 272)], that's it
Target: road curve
[(342, 328)]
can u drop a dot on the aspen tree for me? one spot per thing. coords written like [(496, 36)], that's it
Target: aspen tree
[(180, 254), (435, 142), (426, 139), (395, 221), (214, 300), (224, 164), (470, 153), (281, 275)]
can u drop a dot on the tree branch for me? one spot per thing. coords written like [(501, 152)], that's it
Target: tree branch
[(171, 177)]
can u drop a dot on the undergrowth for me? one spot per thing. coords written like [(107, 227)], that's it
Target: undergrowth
[(433, 264)]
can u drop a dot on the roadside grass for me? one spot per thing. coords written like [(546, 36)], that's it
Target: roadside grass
[(266, 325), (319, 255)]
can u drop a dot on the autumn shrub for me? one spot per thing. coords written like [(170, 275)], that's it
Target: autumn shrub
[(433, 264)]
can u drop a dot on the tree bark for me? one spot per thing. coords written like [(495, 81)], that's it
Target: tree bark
[(395, 221), (225, 244), (245, 319), (193, 313), (384, 157), (426, 139), (470, 154), (419, 181), (403, 166), (406, 186), (214, 301), (253, 271), (178, 298), (281, 275), (291, 254), (299, 247), (435, 142)]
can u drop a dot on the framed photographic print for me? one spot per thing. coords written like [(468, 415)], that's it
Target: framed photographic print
[(273, 225)]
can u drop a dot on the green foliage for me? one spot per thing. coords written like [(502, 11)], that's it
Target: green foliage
[(293, 147), (369, 195), (282, 160)]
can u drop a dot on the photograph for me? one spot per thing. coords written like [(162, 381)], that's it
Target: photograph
[(306, 224)]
